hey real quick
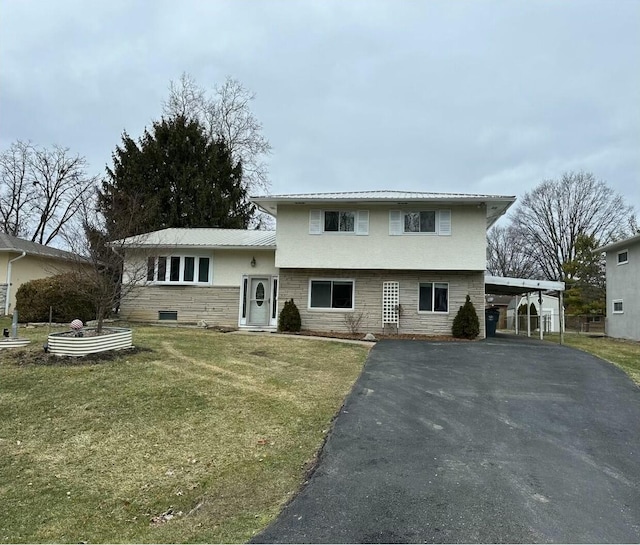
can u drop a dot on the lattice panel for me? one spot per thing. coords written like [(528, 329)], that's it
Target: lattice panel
[(390, 301)]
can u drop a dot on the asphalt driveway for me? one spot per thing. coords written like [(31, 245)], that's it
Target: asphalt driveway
[(502, 440)]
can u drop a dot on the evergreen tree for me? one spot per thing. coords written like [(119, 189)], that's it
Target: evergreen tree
[(175, 176), (585, 279), (466, 324)]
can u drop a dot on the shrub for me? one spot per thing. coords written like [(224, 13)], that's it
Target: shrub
[(62, 293), (466, 324), (289, 319)]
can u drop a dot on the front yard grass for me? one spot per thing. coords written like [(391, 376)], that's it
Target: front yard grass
[(624, 354), (200, 437)]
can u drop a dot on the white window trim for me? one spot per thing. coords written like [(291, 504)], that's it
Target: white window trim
[(613, 306), (618, 256), (181, 281), (433, 298), (442, 223), (329, 309), (360, 223)]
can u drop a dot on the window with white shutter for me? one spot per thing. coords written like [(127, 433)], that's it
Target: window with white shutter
[(315, 222), (362, 222), (444, 222), (395, 222)]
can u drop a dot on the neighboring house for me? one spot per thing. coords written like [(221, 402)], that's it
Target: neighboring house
[(549, 312), (22, 260), (623, 288), (379, 259)]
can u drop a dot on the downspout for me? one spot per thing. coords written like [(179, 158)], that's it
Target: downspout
[(8, 294)]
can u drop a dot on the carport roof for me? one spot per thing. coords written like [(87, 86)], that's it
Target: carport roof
[(503, 285)]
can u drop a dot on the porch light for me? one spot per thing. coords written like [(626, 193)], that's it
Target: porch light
[(253, 261)]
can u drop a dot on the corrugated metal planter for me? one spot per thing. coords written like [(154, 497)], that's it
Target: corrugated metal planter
[(112, 338), (14, 343)]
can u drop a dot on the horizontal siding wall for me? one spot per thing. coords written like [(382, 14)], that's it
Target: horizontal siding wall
[(294, 284), (218, 306)]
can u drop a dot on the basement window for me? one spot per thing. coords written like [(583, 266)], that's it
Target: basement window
[(167, 315)]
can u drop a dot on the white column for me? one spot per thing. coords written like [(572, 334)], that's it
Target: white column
[(528, 316), (561, 317)]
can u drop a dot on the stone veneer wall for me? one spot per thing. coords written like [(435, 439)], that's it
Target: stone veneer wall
[(217, 305), (294, 284)]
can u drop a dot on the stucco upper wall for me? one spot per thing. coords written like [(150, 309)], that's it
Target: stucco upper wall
[(464, 249)]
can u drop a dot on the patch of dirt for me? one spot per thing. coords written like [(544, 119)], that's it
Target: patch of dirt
[(378, 336), (36, 357)]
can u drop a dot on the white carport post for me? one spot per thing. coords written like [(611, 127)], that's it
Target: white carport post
[(561, 316), (528, 317), (540, 317), (515, 313)]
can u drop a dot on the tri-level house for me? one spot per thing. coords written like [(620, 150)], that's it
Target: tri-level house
[(376, 260)]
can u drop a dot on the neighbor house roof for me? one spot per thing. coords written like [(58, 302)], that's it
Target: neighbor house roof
[(204, 238), (496, 205), (9, 243), (619, 245)]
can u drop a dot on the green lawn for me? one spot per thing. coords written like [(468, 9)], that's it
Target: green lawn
[(624, 354), (218, 428)]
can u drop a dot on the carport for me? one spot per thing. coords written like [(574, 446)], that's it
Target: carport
[(503, 285)]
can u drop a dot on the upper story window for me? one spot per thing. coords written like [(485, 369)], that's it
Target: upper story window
[(420, 222), (618, 306), (623, 257), (179, 269), (435, 222), (339, 221)]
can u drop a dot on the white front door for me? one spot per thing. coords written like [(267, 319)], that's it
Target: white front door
[(259, 307)]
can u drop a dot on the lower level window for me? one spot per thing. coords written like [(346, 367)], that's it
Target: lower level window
[(331, 294), (618, 307), (433, 297)]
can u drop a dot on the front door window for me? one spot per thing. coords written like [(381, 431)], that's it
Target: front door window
[(258, 301)]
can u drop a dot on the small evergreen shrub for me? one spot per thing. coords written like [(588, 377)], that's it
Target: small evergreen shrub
[(466, 324), (62, 292), (289, 319)]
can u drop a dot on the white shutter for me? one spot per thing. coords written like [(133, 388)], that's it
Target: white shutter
[(315, 222), (395, 222), (362, 222), (444, 222)]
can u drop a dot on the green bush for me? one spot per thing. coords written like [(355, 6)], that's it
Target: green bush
[(289, 319), (62, 293), (466, 324)]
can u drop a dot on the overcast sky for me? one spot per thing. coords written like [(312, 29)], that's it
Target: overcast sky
[(469, 97)]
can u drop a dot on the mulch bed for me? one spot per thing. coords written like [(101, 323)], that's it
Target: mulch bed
[(360, 336)]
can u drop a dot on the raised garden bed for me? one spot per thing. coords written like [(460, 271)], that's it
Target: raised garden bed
[(68, 344), (14, 343)]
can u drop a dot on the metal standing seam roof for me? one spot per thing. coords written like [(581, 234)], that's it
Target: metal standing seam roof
[(620, 244), (9, 243), (204, 238), (496, 205)]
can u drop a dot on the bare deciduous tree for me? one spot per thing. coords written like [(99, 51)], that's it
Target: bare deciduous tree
[(508, 255), (41, 190), (552, 217), (99, 267), (16, 192), (226, 114)]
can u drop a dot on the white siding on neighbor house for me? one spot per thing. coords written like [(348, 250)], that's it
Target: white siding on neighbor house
[(623, 284), (463, 249)]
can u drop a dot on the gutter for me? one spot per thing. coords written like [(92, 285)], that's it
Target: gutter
[(8, 294)]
